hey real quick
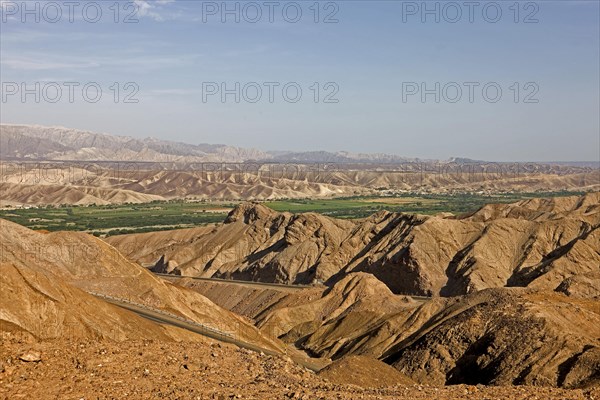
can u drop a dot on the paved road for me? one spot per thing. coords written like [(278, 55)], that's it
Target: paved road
[(226, 337), (274, 286), (204, 331)]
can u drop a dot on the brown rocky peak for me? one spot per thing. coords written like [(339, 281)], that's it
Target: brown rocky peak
[(249, 212), (361, 284)]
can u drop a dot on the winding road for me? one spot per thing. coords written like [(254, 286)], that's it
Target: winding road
[(174, 320), (169, 319), (276, 286)]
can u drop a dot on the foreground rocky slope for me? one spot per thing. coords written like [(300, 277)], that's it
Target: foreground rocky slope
[(503, 336), (155, 369), (38, 304), (54, 274), (48, 318), (551, 244), (506, 337), (500, 336)]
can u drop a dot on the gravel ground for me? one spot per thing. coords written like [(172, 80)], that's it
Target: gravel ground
[(169, 370)]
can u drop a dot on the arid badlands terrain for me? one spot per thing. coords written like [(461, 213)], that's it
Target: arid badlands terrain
[(503, 303), (499, 303), (53, 165)]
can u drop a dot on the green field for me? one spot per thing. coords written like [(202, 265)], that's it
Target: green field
[(119, 219), (360, 207), (111, 220)]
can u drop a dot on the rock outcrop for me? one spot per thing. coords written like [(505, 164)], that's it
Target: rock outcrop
[(540, 243)]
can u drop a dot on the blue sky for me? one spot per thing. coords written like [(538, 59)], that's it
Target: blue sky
[(375, 48)]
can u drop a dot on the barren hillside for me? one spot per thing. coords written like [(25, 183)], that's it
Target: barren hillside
[(37, 303), (84, 262), (507, 337), (503, 336), (544, 244), (86, 183)]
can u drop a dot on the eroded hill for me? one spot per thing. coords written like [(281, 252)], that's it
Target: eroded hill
[(551, 244), (502, 336), (535, 335), (53, 276)]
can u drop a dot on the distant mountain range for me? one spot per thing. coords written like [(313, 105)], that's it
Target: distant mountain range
[(59, 143), (37, 142)]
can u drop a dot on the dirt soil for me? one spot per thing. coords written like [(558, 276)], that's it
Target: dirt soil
[(169, 370)]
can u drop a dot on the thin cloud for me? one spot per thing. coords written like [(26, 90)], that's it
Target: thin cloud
[(152, 9), (175, 92), (43, 61), (38, 65)]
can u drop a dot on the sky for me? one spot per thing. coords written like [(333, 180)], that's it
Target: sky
[(497, 81)]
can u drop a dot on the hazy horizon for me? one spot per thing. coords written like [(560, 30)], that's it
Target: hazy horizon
[(291, 150), (367, 56)]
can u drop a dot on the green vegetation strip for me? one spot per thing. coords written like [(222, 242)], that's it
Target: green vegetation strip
[(361, 207), (108, 220), (119, 219)]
